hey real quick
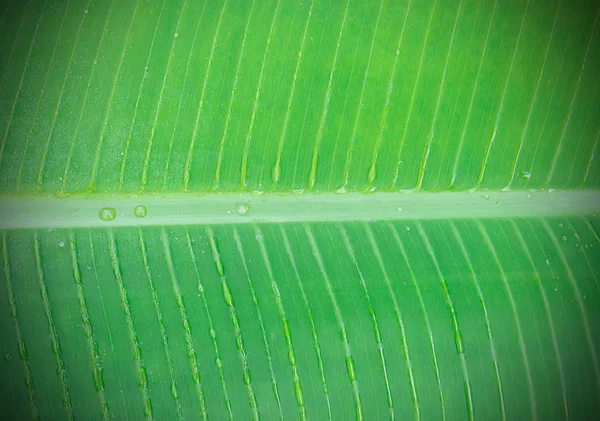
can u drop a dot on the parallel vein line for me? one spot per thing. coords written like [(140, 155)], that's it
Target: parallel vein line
[(240, 249), (190, 155), (20, 85), (513, 305), (559, 148), (74, 138), (146, 162), (342, 115), (340, 321), (533, 101), (592, 230), (95, 365), (58, 358), (582, 141), (573, 283), (286, 329), (267, 152), (20, 342), (312, 178), (217, 176), (286, 119), (585, 255), (360, 100), (412, 97), (137, 101), (548, 312), (181, 95), (486, 317), (37, 106), (14, 46), (96, 160), (388, 96), (411, 273), (105, 317), (423, 166), (317, 347), (592, 156), (404, 342), (457, 335), (133, 339), (228, 298), (244, 167), (42, 165), (461, 142), (189, 342), (501, 107), (161, 324), (4, 14), (211, 328), (547, 115), (376, 329)]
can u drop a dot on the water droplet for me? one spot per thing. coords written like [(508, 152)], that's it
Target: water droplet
[(564, 238), (497, 202), (175, 35), (85, 11), (548, 262), (140, 211), (529, 196), (229, 212), (61, 244), (7, 357), (95, 61), (242, 209), (400, 209), (526, 175), (218, 363), (486, 197), (212, 333), (108, 214), (407, 228)]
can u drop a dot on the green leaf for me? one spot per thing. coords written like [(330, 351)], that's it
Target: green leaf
[(303, 210)]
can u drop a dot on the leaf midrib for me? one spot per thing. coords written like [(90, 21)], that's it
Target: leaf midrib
[(38, 211)]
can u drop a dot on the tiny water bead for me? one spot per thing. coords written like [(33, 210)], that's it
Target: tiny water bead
[(108, 214), (140, 211), (242, 209)]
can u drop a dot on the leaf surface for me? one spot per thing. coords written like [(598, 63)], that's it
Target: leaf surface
[(299, 210)]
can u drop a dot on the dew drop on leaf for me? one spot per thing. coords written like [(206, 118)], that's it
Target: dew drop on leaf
[(242, 209), (140, 211), (108, 214)]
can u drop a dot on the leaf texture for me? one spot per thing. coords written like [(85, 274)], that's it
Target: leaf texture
[(299, 209)]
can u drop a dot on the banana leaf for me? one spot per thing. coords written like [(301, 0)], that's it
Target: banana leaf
[(299, 209)]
